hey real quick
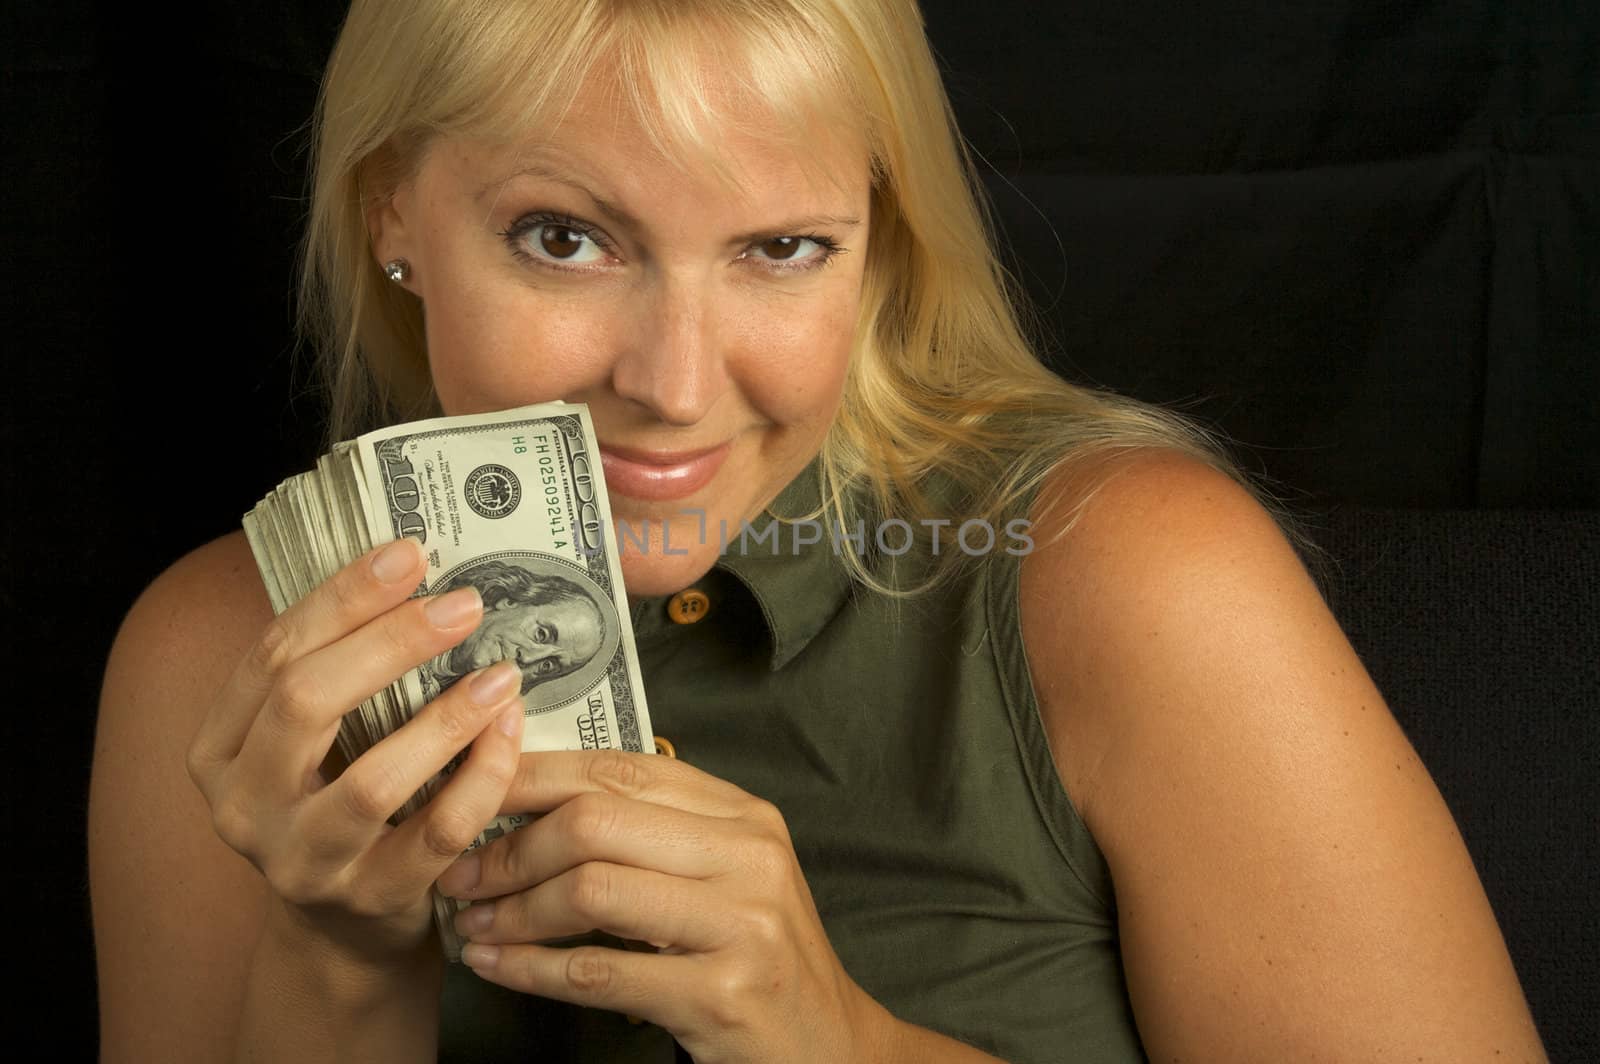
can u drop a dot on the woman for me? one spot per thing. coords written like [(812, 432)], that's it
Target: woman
[(1123, 789)]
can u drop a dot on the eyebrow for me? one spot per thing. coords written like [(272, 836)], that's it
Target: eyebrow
[(542, 171)]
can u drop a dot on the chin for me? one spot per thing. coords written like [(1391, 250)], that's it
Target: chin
[(652, 575)]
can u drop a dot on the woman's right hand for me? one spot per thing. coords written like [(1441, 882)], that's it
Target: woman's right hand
[(325, 848)]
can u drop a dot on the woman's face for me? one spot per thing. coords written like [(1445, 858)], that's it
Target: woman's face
[(689, 319)]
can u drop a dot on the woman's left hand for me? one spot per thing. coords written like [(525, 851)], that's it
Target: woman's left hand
[(648, 848)]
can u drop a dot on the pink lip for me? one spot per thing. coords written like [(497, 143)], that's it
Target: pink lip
[(659, 475)]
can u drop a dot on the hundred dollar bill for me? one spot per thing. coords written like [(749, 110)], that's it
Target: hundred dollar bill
[(512, 503)]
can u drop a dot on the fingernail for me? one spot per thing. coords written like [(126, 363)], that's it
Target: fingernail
[(395, 562), (475, 919), (480, 958), (461, 877), (494, 683), (511, 720), (447, 611)]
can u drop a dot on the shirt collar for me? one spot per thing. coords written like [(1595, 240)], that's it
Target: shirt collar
[(799, 585)]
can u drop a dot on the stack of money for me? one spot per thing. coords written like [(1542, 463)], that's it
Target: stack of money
[(512, 502)]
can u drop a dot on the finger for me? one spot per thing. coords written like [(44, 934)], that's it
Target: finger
[(302, 713), (373, 583), (632, 903), (647, 985), (427, 841), (596, 826), (551, 778), (353, 809)]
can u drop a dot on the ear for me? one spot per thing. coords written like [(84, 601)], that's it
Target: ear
[(387, 229)]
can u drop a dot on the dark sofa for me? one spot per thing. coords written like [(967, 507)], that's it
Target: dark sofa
[(1360, 239)]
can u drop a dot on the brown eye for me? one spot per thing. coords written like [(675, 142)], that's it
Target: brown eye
[(786, 246), (568, 242)]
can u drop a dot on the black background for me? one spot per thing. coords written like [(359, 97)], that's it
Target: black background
[(1362, 238)]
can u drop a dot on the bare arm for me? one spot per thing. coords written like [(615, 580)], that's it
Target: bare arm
[(199, 959), (176, 912), (1290, 884)]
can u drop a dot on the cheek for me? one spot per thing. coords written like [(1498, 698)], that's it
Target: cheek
[(491, 353), (793, 365)]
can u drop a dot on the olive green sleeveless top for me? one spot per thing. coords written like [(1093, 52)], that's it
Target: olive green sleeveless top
[(902, 742)]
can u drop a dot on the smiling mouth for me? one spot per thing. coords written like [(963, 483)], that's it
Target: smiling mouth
[(659, 458), (660, 475)]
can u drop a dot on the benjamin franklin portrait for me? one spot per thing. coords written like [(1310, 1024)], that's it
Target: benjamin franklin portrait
[(549, 624)]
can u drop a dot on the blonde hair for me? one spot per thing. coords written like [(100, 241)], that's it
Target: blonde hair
[(944, 385)]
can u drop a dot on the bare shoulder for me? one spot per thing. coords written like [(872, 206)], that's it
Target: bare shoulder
[(177, 646), (1160, 542), (175, 911), (1289, 882), (213, 594)]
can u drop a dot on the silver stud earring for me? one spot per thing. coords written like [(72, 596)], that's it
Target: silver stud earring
[(397, 270)]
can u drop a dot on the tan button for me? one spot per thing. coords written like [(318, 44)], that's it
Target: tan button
[(665, 747), (688, 605)]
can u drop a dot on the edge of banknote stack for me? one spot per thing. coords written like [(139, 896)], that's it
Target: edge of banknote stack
[(512, 502)]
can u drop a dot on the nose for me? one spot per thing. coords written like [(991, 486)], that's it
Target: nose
[(675, 365)]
